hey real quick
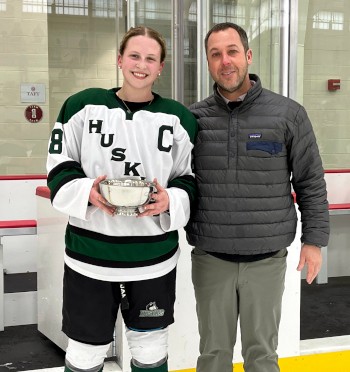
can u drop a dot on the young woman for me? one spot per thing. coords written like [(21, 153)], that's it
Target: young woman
[(114, 261)]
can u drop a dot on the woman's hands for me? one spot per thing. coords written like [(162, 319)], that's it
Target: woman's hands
[(160, 202), (98, 200)]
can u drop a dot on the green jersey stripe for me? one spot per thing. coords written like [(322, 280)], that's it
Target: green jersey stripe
[(113, 251)]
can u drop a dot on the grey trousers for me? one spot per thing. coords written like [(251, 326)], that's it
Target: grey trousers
[(228, 291)]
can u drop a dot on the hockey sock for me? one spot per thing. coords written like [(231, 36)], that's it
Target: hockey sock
[(162, 368), (66, 369)]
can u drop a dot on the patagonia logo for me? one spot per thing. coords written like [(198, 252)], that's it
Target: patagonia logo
[(151, 311), (255, 135)]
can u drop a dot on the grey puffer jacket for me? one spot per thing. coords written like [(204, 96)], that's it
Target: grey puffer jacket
[(245, 162)]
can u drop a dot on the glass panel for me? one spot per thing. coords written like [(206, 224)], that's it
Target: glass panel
[(261, 20), (82, 48), (155, 14), (323, 88), (69, 7), (190, 52), (324, 51)]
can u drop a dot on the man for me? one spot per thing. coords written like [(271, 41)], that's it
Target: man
[(252, 146)]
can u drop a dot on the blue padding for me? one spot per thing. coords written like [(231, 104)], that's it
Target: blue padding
[(272, 148)]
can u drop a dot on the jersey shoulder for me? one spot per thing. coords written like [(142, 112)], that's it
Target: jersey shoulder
[(186, 118), (77, 102)]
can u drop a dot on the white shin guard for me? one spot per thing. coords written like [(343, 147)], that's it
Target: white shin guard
[(85, 357), (148, 347)]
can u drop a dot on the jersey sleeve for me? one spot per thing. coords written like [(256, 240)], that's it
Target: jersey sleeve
[(182, 184), (69, 186)]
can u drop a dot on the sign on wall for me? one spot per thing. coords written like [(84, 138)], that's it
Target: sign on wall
[(33, 113), (33, 92)]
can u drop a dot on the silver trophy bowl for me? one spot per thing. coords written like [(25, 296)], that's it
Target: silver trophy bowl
[(127, 195)]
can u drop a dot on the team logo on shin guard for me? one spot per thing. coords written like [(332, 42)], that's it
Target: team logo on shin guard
[(152, 310)]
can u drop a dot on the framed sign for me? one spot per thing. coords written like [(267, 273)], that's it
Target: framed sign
[(33, 93)]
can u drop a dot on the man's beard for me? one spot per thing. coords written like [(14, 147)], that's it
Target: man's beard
[(230, 89), (233, 88)]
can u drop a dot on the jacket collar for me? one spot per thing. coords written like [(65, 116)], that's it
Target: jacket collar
[(252, 93)]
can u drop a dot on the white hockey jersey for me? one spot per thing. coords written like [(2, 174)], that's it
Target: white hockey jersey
[(95, 136)]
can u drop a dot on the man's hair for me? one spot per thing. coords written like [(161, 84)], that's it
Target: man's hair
[(224, 26), (144, 31)]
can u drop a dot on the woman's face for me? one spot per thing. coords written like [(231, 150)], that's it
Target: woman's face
[(140, 62)]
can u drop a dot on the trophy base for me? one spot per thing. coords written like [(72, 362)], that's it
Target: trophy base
[(127, 195), (127, 211)]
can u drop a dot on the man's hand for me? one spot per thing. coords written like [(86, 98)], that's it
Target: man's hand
[(160, 202), (97, 199), (312, 257)]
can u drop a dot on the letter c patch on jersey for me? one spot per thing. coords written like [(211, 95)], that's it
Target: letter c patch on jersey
[(162, 138)]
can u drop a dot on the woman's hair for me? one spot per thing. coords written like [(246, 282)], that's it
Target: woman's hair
[(145, 31), (224, 26)]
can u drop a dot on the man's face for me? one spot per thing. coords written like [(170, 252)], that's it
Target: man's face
[(228, 62)]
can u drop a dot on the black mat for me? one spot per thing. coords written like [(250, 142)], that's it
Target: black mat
[(325, 309), (24, 348)]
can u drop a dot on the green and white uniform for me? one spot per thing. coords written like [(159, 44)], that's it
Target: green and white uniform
[(95, 136)]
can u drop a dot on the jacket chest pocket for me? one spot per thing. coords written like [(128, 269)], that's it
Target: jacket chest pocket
[(266, 149)]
